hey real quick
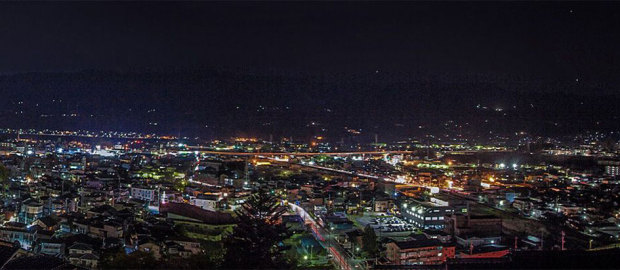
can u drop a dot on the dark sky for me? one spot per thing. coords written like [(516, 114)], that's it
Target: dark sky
[(389, 67), (563, 41)]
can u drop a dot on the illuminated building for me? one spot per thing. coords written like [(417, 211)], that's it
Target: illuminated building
[(419, 251), (426, 215)]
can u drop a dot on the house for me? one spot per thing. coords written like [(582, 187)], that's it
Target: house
[(337, 221), (206, 201), (19, 233), (83, 255), (47, 223), (148, 245), (51, 247), (175, 249), (106, 228), (188, 244), (523, 204), (383, 204)]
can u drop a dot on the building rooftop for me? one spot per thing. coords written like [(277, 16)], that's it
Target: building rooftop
[(418, 242)]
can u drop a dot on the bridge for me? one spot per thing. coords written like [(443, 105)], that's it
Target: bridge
[(227, 153), (347, 172)]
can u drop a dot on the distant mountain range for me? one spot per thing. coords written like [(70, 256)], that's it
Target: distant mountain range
[(221, 103)]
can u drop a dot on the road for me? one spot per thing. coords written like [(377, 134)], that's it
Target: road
[(345, 172), (226, 153), (340, 257), (363, 175)]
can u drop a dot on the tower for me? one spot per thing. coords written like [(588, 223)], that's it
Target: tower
[(246, 169)]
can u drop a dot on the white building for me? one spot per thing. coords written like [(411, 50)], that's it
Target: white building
[(144, 194), (206, 202)]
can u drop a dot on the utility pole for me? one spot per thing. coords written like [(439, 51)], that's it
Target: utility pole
[(542, 242), (516, 238), (563, 240), (246, 173)]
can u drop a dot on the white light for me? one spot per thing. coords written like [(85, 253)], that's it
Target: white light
[(502, 165), (29, 152)]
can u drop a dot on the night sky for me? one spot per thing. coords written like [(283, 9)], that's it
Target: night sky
[(570, 47), (556, 40)]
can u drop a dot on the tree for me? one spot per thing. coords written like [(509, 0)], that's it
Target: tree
[(198, 261), (135, 260), (255, 240), (179, 184), (369, 242), (213, 254), (5, 173)]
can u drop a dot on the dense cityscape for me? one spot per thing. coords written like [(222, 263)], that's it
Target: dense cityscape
[(100, 202), (309, 135)]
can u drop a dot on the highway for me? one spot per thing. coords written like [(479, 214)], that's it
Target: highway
[(226, 153), (363, 175), (343, 171), (340, 257)]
